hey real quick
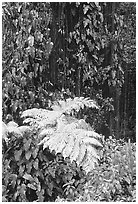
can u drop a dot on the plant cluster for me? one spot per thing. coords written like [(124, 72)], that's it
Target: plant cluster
[(33, 174), (114, 179), (55, 158), (47, 157)]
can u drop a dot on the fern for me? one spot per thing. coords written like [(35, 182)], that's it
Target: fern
[(40, 118), (74, 141), (70, 106), (65, 134)]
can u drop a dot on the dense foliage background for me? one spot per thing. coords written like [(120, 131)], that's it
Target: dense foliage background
[(55, 51)]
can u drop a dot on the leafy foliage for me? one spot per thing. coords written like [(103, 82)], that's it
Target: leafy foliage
[(48, 172), (114, 179), (65, 134), (73, 140), (26, 49), (33, 174), (82, 48)]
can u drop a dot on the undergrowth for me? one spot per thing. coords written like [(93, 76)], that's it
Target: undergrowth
[(114, 179), (33, 174), (57, 156)]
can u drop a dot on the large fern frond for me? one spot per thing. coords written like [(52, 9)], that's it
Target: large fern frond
[(40, 118), (65, 134), (73, 105), (74, 141)]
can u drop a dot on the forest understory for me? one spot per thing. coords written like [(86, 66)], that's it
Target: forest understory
[(68, 101)]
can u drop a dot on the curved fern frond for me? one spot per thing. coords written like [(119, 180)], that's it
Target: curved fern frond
[(65, 134), (92, 141), (82, 153), (35, 113), (71, 141), (73, 105), (40, 118), (12, 124)]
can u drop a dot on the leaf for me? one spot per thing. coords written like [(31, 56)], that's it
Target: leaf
[(31, 186), (14, 131), (29, 167), (28, 177), (86, 8), (21, 170), (13, 177), (92, 141), (40, 195), (82, 153), (22, 189), (30, 40), (35, 164), (75, 151), (92, 151), (49, 191), (69, 145), (17, 154), (35, 152), (27, 144), (28, 155)]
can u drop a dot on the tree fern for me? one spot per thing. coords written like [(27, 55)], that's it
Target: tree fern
[(59, 130), (74, 141)]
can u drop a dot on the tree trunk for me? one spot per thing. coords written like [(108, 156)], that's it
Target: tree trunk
[(125, 101), (78, 86)]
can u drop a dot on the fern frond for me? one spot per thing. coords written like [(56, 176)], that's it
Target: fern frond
[(35, 113), (76, 150), (74, 142), (24, 129), (46, 132), (12, 123), (31, 122), (69, 145), (92, 141), (83, 125), (65, 134), (73, 105), (82, 153), (40, 118), (92, 151)]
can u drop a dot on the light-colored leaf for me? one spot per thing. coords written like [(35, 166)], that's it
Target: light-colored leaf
[(69, 146), (31, 186), (12, 123), (35, 164), (28, 177), (28, 155), (14, 131), (92, 141), (27, 144), (75, 151), (82, 153), (17, 154)]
